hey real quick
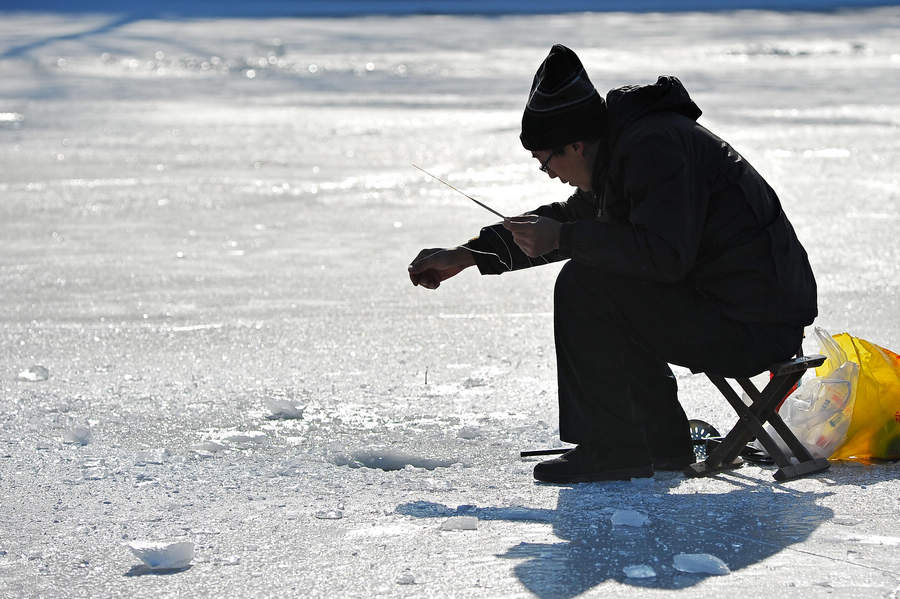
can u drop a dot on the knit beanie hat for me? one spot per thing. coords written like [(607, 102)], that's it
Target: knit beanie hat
[(563, 106)]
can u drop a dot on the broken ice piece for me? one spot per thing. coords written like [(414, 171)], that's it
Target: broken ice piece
[(330, 515), (239, 437), (460, 523), (468, 432), (153, 456), (700, 563), (406, 578), (281, 409), (163, 555), (641, 571), (629, 518), (77, 435), (34, 374)]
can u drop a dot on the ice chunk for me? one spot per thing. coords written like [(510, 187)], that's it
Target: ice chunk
[(243, 437), (641, 571), (330, 515), (208, 447), (700, 563), (153, 456), (282, 409), (34, 374), (77, 435), (468, 432), (629, 518), (163, 555), (460, 523)]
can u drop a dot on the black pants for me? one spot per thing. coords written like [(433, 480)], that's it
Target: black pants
[(615, 339)]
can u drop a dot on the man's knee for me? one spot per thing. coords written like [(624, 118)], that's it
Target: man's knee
[(579, 288)]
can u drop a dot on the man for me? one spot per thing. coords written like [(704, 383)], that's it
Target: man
[(678, 253)]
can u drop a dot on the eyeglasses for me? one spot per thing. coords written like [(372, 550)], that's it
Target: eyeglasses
[(545, 165)]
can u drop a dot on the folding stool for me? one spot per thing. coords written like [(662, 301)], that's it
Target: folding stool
[(724, 454)]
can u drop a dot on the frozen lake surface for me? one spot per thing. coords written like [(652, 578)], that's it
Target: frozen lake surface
[(205, 226)]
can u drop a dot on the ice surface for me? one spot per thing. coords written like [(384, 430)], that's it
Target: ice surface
[(34, 374), (640, 571), (460, 523), (141, 137), (699, 563), (77, 435), (163, 555), (629, 518)]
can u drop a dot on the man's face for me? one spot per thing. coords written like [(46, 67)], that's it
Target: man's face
[(570, 166)]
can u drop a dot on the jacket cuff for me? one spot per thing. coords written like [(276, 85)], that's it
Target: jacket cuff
[(484, 261)]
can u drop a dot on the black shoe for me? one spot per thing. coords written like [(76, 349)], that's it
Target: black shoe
[(675, 462), (586, 464), (674, 453)]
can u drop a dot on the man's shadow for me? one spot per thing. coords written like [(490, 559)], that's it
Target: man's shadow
[(741, 527)]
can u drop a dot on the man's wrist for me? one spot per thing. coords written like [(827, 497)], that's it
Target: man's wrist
[(464, 257)]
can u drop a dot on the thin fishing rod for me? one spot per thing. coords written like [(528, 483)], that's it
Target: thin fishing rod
[(485, 206)]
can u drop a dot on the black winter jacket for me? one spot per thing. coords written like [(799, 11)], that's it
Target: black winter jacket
[(673, 203)]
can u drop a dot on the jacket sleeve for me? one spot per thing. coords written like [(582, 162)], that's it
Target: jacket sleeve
[(661, 239), (495, 251)]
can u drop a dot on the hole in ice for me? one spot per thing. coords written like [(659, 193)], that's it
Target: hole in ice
[(388, 460)]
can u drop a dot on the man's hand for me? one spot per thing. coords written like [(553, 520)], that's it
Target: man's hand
[(434, 265), (535, 235)]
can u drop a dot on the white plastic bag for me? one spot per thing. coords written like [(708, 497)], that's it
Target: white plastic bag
[(819, 411)]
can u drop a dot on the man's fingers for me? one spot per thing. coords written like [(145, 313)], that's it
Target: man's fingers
[(421, 263), (520, 223)]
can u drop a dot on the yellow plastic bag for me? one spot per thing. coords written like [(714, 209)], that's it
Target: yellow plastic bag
[(874, 431)]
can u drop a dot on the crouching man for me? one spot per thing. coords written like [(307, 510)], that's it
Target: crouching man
[(678, 252)]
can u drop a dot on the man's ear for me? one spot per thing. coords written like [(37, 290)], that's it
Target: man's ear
[(578, 147)]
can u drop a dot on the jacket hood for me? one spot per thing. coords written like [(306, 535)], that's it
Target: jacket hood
[(632, 102)]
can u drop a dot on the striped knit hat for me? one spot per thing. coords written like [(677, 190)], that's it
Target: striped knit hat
[(563, 106)]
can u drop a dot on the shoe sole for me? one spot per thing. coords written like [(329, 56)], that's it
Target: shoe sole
[(592, 477), (666, 464)]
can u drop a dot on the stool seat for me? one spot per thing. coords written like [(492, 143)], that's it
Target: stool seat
[(793, 463)]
